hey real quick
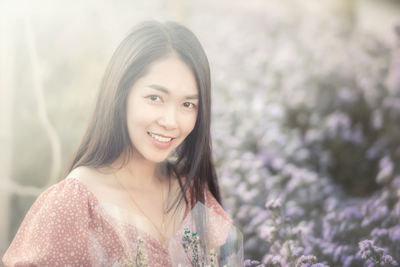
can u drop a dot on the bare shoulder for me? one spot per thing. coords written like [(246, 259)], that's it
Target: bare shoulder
[(88, 176)]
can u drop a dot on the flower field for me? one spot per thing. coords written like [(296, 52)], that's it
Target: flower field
[(306, 130)]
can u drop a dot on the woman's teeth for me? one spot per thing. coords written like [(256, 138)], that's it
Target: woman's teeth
[(160, 138)]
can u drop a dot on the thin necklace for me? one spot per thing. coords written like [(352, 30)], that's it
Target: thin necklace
[(160, 232)]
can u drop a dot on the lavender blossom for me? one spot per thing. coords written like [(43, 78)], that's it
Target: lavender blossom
[(375, 255)]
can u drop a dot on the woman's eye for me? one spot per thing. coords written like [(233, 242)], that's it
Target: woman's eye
[(154, 98), (189, 105)]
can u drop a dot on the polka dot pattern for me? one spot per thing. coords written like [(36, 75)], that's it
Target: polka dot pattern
[(67, 226)]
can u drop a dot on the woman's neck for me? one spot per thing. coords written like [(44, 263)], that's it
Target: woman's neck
[(140, 173)]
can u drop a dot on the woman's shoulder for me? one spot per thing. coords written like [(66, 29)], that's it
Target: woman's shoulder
[(68, 198), (87, 176), (67, 189), (55, 223), (97, 182), (62, 199)]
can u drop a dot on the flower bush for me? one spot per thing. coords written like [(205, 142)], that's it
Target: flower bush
[(307, 143)]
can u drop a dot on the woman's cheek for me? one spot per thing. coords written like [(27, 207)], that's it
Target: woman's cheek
[(190, 123)]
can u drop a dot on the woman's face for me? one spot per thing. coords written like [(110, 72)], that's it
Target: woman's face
[(162, 109)]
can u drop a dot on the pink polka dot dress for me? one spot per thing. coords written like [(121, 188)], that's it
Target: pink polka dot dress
[(68, 226)]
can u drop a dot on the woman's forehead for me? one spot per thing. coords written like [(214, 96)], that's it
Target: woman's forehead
[(171, 76), (167, 91)]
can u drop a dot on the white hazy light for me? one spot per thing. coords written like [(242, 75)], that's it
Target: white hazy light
[(14, 9)]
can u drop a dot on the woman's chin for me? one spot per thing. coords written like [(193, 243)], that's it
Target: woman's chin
[(157, 159)]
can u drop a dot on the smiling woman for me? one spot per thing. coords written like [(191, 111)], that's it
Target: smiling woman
[(167, 116), (143, 171)]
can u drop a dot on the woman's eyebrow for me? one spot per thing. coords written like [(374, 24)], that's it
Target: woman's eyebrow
[(165, 90)]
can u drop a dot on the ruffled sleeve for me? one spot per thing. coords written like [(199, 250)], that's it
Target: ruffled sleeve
[(224, 236), (55, 230), (212, 203), (220, 221)]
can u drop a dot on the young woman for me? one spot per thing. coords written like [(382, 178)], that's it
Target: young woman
[(143, 164)]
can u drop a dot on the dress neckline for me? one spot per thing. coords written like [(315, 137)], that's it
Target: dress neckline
[(126, 224)]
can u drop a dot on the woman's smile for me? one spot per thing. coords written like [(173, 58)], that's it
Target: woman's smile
[(160, 137), (160, 141), (163, 105)]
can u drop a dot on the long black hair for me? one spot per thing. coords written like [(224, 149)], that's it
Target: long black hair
[(106, 137)]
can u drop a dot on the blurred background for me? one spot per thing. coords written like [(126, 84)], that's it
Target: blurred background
[(306, 114)]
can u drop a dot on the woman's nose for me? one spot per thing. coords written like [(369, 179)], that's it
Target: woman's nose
[(168, 118)]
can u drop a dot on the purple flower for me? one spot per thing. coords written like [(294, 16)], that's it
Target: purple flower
[(272, 259), (319, 265), (249, 262), (275, 203), (377, 120), (365, 244), (388, 259), (379, 232), (395, 234), (351, 212), (348, 261), (386, 169), (373, 254), (306, 261)]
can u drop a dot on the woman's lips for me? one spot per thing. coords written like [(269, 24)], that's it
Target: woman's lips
[(166, 136), (160, 144)]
